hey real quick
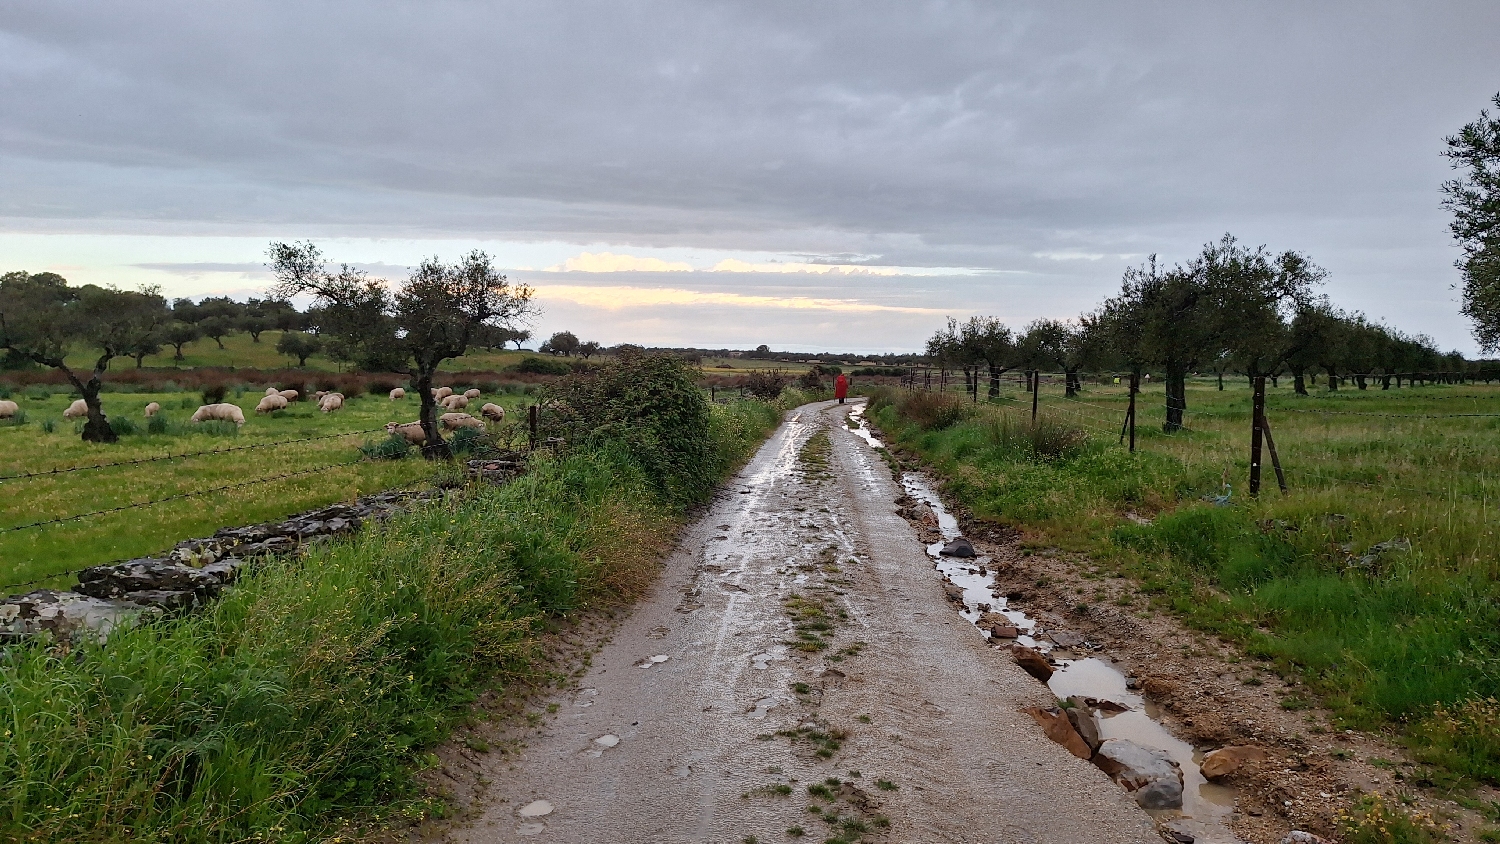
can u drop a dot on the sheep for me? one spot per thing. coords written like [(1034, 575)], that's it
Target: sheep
[(270, 404), (8, 409), (442, 393), (411, 431), (318, 396), (220, 412), (471, 394), (397, 394), (493, 412), (289, 395), (152, 409), (454, 421), (77, 410), (454, 402), (331, 402), (271, 391)]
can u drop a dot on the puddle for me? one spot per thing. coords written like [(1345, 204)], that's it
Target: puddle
[(854, 423), (762, 661), (655, 660), (1205, 807), (535, 809)]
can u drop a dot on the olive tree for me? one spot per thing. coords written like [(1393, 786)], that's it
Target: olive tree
[(1474, 200), (42, 319), (428, 319)]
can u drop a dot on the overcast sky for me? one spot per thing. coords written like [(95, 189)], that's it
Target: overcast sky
[(808, 175)]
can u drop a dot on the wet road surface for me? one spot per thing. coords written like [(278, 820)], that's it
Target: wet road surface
[(799, 638)]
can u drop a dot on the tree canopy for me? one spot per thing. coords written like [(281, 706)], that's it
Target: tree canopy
[(1474, 199)]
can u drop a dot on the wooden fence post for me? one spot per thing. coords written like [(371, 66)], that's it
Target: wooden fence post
[(1036, 389), (1129, 426), (1257, 412), (532, 415)]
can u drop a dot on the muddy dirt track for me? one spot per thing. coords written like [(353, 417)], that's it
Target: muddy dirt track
[(800, 637)]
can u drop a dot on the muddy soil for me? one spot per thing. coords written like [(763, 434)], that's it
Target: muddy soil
[(797, 674), (1208, 693)]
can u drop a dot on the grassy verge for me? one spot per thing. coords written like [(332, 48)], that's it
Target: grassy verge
[(1374, 581), (305, 697), (330, 466)]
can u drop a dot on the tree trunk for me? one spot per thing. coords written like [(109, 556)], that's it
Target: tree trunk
[(1359, 381), (1333, 381), (1299, 382), (1176, 380), (1220, 373), (96, 429), (1276, 381), (434, 448), (994, 381), (1071, 383), (1385, 381), (220, 341)]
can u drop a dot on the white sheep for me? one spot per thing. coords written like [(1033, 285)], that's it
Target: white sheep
[(471, 394), (398, 394), (454, 402), (77, 410), (442, 393), (270, 404), (493, 412), (411, 431), (454, 421), (289, 395), (220, 412), (318, 396), (271, 391), (152, 409), (331, 402), (8, 409)]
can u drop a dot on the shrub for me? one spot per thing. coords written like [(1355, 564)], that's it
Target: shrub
[(214, 393), (217, 428), (48, 426), (812, 379), (188, 403), (394, 447), (156, 424), (766, 384), (38, 392), (1463, 738), (489, 387), (123, 426), (1047, 439), (467, 441), (1375, 821), (4, 391), (18, 419), (381, 386), (541, 366), (931, 411)]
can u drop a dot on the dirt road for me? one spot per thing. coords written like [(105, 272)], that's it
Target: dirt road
[(797, 669)]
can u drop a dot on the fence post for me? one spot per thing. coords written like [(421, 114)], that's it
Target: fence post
[(531, 419), (713, 393), (1036, 389), (1257, 412)]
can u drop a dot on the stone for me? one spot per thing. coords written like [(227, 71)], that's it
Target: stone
[(989, 619), (1297, 836), (146, 575), (954, 592), (1065, 638), (959, 547), (1142, 769), (1032, 661), (1057, 725), (66, 615), (166, 600), (1226, 760), (1084, 724), (1004, 631)]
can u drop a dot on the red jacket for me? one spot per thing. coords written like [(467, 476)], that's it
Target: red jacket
[(840, 387)]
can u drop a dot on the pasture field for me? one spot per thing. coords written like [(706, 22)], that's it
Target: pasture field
[(241, 351), (1375, 579), (330, 467)]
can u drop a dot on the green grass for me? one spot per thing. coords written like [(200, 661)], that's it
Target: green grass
[(34, 553), (301, 703), (1379, 643)]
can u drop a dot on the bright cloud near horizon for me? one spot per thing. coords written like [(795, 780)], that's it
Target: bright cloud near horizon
[(833, 176)]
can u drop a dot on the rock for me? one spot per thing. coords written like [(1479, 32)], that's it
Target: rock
[(1105, 705), (988, 620), (954, 592), (1177, 833), (959, 547), (66, 615), (1065, 638), (1033, 661), (1297, 836), (1004, 631), (1084, 724), (146, 575), (1149, 772), (1227, 760), (1058, 726), (164, 599)]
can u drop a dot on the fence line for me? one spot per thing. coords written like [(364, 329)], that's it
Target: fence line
[(178, 497), (66, 470)]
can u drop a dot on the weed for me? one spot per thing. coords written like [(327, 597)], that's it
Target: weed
[(801, 688), (394, 447), (886, 785), (863, 719), (1464, 738), (48, 426), (476, 744), (1374, 821), (795, 831), (931, 411)]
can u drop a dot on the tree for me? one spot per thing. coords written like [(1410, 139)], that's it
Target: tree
[(432, 317), (1474, 200), (954, 347), (298, 345), (216, 327), (518, 336), (1042, 346), (178, 334), (588, 349), (561, 343), (42, 318)]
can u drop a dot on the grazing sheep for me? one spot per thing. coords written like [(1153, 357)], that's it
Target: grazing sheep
[(454, 421), (318, 396), (271, 403), (220, 412), (398, 393), (152, 409), (271, 391), (289, 395), (411, 431), (8, 409), (442, 393), (471, 394), (331, 402), (77, 410), (493, 412), (454, 402)]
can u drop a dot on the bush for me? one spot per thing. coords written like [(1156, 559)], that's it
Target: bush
[(38, 392), (811, 380), (489, 387), (1047, 439), (123, 426), (766, 384), (48, 426), (4, 391), (18, 419), (394, 447), (156, 424), (468, 441), (888, 371), (217, 428), (188, 403), (931, 411), (214, 393), (381, 386), (541, 366)]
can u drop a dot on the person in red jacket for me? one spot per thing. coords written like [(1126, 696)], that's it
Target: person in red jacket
[(841, 387)]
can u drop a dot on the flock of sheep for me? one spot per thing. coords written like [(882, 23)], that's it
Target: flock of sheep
[(328, 402)]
